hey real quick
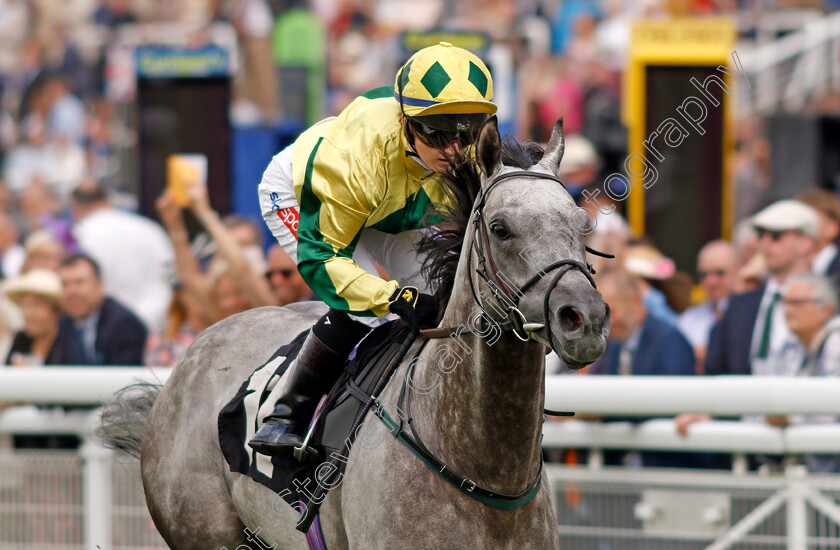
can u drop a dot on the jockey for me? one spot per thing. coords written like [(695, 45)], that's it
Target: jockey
[(351, 192)]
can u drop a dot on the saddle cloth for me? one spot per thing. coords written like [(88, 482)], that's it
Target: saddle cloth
[(369, 367)]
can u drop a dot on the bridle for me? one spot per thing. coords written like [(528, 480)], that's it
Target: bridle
[(516, 322), (506, 294)]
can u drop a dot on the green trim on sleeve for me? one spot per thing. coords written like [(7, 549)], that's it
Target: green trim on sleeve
[(313, 252)]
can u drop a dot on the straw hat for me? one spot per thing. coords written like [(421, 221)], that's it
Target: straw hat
[(41, 282), (649, 263)]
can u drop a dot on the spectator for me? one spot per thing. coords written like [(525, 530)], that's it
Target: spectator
[(580, 165), (651, 266), (716, 274), (244, 231), (134, 252), (753, 327), (244, 263), (66, 112), (284, 279), (37, 293), (184, 323), (811, 306), (94, 328), (42, 250), (41, 208), (226, 289), (216, 292), (35, 156), (11, 252), (752, 269), (826, 259), (641, 344), (113, 13), (11, 321), (253, 22)]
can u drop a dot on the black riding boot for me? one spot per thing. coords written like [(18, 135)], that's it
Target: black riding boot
[(313, 374)]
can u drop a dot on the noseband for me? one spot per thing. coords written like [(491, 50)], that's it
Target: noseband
[(507, 295)]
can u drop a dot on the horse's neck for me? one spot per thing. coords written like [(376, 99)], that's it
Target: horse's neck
[(482, 411)]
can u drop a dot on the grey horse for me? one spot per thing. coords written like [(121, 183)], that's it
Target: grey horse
[(477, 403)]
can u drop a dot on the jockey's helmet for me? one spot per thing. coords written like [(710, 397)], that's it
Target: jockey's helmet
[(443, 87)]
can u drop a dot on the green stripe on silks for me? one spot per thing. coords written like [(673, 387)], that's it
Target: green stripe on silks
[(410, 443), (348, 253), (410, 216), (380, 92), (311, 261), (311, 258)]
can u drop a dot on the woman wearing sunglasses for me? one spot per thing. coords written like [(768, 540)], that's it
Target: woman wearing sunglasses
[(353, 191)]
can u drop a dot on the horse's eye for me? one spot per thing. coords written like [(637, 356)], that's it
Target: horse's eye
[(500, 231)]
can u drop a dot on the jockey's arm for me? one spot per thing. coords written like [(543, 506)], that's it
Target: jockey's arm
[(333, 210)]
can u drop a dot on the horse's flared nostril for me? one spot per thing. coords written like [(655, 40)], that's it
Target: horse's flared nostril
[(570, 319)]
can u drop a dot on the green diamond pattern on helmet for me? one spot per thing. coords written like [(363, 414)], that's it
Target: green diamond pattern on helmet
[(478, 79), (404, 76), (435, 79)]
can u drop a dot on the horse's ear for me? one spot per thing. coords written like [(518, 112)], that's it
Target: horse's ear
[(489, 148), (554, 150)]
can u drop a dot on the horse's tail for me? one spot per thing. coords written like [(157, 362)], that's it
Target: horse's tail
[(123, 420)]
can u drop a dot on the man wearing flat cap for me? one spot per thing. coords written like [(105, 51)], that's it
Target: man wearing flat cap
[(754, 324), (753, 327)]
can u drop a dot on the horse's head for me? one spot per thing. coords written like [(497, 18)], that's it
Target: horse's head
[(528, 253)]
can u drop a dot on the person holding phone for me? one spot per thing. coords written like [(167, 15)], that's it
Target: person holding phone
[(353, 191)]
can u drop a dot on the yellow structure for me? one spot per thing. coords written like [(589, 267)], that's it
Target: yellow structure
[(678, 70)]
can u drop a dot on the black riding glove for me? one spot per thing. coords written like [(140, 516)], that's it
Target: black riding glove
[(417, 309)]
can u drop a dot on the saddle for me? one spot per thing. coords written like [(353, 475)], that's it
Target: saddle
[(304, 485)]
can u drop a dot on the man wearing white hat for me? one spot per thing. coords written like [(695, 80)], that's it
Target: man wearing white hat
[(754, 325)]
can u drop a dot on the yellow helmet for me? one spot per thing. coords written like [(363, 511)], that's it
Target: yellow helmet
[(445, 87)]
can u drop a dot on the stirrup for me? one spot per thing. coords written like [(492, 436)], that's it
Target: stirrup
[(304, 452)]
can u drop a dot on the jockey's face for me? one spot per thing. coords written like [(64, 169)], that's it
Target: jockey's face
[(436, 157)]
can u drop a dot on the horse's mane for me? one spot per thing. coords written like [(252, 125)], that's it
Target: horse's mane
[(442, 248)]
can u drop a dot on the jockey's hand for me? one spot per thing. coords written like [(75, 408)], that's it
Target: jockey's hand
[(417, 309)]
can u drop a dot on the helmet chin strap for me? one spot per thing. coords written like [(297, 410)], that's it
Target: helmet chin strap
[(412, 151)]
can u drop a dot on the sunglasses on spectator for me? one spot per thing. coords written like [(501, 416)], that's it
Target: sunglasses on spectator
[(800, 301), (703, 274), (440, 139), (774, 235), (286, 273)]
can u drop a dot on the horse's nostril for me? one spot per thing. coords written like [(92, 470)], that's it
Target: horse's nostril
[(570, 319)]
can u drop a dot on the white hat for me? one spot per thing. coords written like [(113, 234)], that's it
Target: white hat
[(788, 215), (579, 154), (647, 262), (43, 282)]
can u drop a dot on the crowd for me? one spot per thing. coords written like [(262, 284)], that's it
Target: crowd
[(76, 264), (769, 308)]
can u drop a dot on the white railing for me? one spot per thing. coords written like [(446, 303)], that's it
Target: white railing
[(729, 396), (672, 395), (787, 71), (73, 385)]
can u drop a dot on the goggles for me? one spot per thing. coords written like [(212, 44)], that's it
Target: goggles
[(440, 139)]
